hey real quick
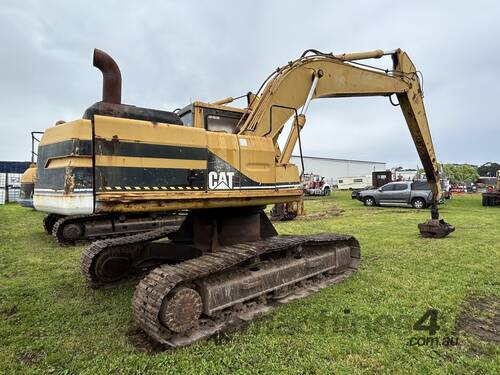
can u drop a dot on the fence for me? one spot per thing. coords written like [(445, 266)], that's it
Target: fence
[(10, 187), (2, 188)]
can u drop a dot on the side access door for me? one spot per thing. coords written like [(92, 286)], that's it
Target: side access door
[(223, 162), (384, 194), (401, 193)]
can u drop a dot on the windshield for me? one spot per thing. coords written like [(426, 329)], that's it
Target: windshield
[(187, 118), (221, 120), (224, 124)]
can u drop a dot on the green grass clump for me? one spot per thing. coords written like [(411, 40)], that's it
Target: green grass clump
[(51, 322)]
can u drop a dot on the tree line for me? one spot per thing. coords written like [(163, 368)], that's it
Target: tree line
[(466, 173)]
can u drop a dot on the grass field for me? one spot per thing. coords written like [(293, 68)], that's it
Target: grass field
[(50, 322)]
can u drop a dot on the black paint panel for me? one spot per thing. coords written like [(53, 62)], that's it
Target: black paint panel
[(134, 149), (71, 147), (149, 177), (27, 190), (214, 163), (55, 178)]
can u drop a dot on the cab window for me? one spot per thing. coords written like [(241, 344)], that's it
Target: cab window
[(400, 187), (216, 123), (387, 188), (217, 120), (187, 118)]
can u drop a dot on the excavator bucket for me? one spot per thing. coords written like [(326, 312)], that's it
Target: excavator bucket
[(434, 228)]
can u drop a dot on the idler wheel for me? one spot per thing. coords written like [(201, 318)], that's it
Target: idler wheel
[(72, 231), (49, 221), (110, 268), (181, 309)]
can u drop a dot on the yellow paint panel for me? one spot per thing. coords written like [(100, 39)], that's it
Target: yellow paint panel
[(148, 132), (257, 158), (151, 201), (129, 161), (287, 173), (218, 106), (225, 146), (78, 129), (29, 175)]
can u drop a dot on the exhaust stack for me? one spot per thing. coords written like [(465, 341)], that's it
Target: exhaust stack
[(111, 77), (111, 104)]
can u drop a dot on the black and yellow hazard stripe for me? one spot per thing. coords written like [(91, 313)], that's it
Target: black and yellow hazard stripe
[(148, 167), (151, 188), (148, 179)]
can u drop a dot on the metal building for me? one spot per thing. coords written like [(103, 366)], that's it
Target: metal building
[(332, 169)]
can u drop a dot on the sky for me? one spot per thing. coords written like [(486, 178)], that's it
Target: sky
[(173, 52)]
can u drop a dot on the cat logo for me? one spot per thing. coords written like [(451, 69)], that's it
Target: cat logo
[(220, 180)]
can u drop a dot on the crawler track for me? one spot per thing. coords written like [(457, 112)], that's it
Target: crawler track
[(78, 229), (129, 247), (49, 221), (164, 283)]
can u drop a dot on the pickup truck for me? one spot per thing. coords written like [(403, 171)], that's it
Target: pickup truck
[(416, 194)]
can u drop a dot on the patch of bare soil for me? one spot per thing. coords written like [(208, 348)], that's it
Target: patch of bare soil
[(142, 342), (29, 357), (480, 318), (8, 312), (331, 212)]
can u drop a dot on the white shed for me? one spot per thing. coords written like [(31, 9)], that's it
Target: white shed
[(332, 169)]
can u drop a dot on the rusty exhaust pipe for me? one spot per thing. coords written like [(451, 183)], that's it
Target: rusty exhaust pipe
[(111, 77), (111, 104)]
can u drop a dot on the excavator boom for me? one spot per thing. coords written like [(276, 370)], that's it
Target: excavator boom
[(321, 75), (287, 92)]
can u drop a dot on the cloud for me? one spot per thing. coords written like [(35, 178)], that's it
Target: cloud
[(173, 52)]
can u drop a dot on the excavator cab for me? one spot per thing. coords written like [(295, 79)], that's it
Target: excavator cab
[(211, 117)]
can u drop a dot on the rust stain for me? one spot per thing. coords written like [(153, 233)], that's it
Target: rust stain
[(69, 180)]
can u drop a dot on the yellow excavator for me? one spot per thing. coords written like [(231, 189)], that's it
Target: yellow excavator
[(28, 178), (226, 263), (27, 186)]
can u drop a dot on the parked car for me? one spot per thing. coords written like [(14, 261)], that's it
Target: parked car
[(445, 188), (379, 178), (355, 193), (416, 194)]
